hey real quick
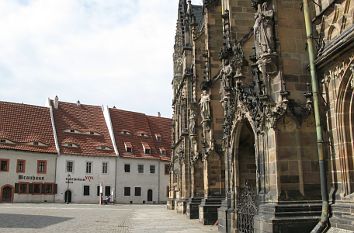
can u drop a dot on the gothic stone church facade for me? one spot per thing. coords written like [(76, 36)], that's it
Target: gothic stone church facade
[(256, 147)]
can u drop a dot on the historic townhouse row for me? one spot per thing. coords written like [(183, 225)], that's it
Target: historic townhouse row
[(73, 152), (263, 115)]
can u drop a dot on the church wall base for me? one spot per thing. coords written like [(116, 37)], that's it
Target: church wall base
[(170, 204), (208, 210), (342, 217), (225, 216), (193, 208), (181, 206), (290, 218)]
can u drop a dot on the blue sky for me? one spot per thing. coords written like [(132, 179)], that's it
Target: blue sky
[(104, 52)]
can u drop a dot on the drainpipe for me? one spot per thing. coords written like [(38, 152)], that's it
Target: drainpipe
[(323, 224)]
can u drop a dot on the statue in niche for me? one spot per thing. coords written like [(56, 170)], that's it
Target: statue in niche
[(194, 147), (205, 106), (226, 75), (264, 30), (191, 126), (205, 114)]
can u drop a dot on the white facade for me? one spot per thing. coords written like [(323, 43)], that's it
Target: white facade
[(153, 186), (36, 186), (79, 177)]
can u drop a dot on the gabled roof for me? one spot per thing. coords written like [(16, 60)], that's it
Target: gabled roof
[(138, 122), (82, 130), (22, 125)]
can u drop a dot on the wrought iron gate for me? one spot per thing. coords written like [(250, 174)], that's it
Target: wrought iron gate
[(246, 208)]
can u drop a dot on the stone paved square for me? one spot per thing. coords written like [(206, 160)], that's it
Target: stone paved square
[(40, 218)]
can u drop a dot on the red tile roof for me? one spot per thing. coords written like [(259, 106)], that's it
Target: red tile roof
[(23, 124), (136, 123), (85, 119)]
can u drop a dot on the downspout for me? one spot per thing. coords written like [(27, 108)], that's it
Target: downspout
[(323, 224)]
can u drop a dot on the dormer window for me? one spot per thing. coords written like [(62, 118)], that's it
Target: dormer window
[(72, 145), (36, 143), (142, 134), (128, 147), (93, 133), (162, 151), (72, 131), (147, 149), (103, 148), (126, 132), (158, 137), (5, 141)]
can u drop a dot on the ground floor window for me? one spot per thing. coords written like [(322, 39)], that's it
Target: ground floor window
[(137, 191), (86, 190), (107, 191), (36, 188), (126, 191), (98, 190)]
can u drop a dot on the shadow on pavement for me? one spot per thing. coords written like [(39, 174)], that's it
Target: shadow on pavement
[(29, 221)]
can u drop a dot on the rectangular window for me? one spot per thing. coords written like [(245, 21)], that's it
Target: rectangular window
[(147, 151), (140, 168), (98, 191), (4, 165), (41, 166), (37, 188), (126, 191), (152, 169), (127, 167), (47, 188), (107, 191), (86, 190), (167, 169), (69, 166), (167, 191), (21, 166), (104, 167), (23, 188), (137, 191), (89, 167)]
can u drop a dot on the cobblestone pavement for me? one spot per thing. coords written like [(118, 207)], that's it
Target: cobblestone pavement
[(39, 218)]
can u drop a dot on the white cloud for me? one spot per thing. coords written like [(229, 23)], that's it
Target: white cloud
[(99, 51)]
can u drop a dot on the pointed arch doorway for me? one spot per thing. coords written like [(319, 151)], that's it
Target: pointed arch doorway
[(244, 177)]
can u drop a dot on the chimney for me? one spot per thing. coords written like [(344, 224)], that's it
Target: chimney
[(159, 114), (56, 102), (78, 103)]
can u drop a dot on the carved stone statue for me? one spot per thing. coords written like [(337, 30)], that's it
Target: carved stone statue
[(226, 75), (191, 125), (264, 30), (194, 147), (205, 106)]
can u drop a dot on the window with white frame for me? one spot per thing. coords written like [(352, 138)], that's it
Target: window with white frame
[(140, 168), (128, 147), (69, 166), (104, 167), (88, 167), (147, 149)]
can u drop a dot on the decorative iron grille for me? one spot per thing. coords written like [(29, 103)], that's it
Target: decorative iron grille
[(246, 208)]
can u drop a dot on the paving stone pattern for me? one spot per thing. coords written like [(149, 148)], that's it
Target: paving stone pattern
[(39, 218)]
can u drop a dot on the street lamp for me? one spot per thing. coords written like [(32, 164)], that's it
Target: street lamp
[(67, 189)]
